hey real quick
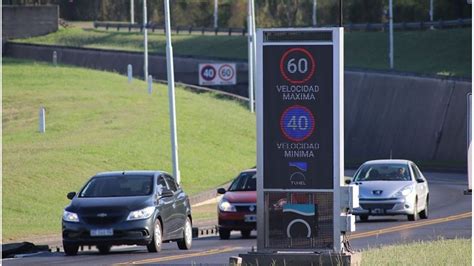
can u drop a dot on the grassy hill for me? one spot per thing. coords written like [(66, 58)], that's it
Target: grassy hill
[(96, 122), (443, 52)]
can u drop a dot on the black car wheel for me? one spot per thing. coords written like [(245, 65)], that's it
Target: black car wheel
[(224, 233), (363, 218), (187, 240), (104, 249), (414, 216), (155, 245), (245, 233), (424, 213), (70, 250)]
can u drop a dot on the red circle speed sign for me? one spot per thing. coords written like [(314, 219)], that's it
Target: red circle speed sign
[(297, 65)]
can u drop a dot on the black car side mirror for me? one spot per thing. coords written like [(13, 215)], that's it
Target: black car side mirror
[(166, 193), (419, 180), (347, 181), (71, 195), (221, 191)]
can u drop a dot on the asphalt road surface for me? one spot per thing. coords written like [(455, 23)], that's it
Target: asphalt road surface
[(450, 217)]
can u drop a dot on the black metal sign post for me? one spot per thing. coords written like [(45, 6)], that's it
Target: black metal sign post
[(299, 139)]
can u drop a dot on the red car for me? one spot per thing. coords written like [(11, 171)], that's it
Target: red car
[(237, 210)]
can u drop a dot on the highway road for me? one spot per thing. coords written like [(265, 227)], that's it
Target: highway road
[(450, 217)]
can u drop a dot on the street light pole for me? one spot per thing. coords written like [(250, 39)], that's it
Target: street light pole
[(145, 42), (132, 12), (250, 54), (390, 17), (172, 103)]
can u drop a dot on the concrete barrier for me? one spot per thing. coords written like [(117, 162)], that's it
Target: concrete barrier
[(386, 115), (28, 21)]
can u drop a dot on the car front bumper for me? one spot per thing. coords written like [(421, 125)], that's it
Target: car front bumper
[(380, 207), (138, 232), (235, 221)]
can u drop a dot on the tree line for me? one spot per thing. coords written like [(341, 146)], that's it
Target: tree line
[(269, 13)]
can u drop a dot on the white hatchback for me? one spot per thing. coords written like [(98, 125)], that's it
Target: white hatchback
[(391, 187)]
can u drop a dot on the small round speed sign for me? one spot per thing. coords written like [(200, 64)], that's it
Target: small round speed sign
[(208, 72), (297, 65), (226, 72)]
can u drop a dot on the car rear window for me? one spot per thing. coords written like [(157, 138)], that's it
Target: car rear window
[(117, 186), (244, 182), (385, 172)]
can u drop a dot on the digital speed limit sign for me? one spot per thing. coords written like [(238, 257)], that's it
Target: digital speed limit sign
[(299, 134)]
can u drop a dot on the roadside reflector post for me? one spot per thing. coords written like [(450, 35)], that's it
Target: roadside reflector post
[(55, 58), (150, 83), (130, 73), (42, 120)]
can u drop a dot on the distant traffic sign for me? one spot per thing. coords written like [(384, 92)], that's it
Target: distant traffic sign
[(217, 74)]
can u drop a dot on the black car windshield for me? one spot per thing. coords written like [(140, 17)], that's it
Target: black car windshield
[(385, 172), (117, 186), (244, 182)]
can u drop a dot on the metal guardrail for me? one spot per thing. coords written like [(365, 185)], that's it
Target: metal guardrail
[(177, 29), (440, 24)]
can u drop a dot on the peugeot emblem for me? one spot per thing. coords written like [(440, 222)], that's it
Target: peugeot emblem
[(101, 214), (252, 208), (377, 192)]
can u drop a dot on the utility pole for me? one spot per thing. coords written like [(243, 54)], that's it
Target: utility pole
[(250, 35), (314, 12), (172, 103), (216, 13), (145, 42), (132, 12), (390, 18)]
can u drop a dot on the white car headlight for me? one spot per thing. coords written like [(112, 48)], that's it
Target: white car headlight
[(144, 213), (226, 206), (404, 191), (70, 217)]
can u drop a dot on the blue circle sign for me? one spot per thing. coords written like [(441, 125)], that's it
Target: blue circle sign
[(297, 123), (208, 72)]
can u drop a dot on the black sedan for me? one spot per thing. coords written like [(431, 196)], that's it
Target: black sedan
[(127, 208)]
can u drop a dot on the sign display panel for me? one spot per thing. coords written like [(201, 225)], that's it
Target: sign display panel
[(299, 139), (298, 142), (217, 74)]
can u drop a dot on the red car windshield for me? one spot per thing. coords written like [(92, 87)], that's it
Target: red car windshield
[(246, 181)]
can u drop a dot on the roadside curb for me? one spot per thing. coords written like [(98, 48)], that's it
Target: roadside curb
[(205, 231)]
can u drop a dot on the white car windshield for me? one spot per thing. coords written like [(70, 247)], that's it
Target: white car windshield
[(385, 172)]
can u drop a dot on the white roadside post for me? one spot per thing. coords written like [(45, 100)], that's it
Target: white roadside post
[(216, 14), (145, 42), (55, 58), (132, 12), (130, 73), (172, 104), (42, 120), (431, 14), (250, 55), (390, 17), (150, 84)]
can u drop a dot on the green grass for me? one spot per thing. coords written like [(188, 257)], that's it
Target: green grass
[(443, 52), (442, 252), (97, 122)]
